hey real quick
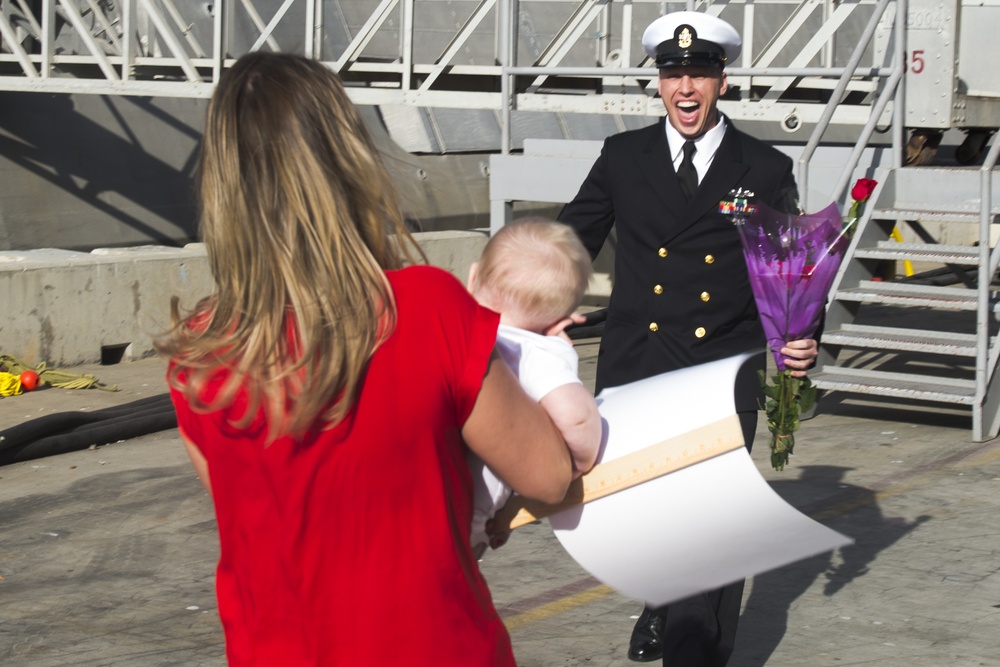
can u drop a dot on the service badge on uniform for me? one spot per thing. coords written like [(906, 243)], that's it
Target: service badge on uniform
[(739, 206)]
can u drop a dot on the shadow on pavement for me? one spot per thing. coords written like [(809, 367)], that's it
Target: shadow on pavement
[(851, 510)]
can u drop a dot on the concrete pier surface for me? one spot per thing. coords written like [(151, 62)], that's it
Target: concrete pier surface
[(107, 555)]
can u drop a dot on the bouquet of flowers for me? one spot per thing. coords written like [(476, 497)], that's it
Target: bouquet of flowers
[(791, 260)]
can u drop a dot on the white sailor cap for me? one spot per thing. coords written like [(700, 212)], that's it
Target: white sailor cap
[(691, 38)]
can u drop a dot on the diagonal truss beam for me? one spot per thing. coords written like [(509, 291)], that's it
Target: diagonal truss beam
[(585, 14), (259, 23), (106, 26), (171, 40), (812, 48), (72, 14), (29, 16), (10, 38), (182, 26), (466, 31), (793, 24), (375, 21), (269, 30)]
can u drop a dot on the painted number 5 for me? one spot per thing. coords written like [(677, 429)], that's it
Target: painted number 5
[(916, 62)]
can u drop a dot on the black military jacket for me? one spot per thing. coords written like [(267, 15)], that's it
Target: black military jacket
[(681, 294)]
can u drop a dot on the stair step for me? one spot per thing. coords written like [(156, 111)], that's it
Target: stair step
[(909, 294), (897, 385), (909, 340), (923, 252), (971, 216)]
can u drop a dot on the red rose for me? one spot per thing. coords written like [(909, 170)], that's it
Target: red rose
[(863, 189)]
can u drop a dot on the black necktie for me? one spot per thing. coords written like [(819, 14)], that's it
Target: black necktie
[(686, 173)]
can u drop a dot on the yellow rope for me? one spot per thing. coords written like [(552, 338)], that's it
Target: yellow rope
[(10, 384), (51, 376)]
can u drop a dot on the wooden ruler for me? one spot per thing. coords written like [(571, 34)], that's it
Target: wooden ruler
[(648, 463)]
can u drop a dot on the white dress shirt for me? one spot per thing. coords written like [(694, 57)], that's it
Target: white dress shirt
[(707, 144)]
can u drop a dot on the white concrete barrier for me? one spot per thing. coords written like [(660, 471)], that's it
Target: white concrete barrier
[(67, 308)]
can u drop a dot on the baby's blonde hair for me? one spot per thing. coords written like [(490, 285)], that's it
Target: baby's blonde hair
[(535, 271)]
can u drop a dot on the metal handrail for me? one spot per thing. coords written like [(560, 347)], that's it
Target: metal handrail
[(985, 365), (866, 133), (986, 204), (651, 72), (838, 95)]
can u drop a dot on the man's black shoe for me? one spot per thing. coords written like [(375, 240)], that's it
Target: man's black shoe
[(645, 646)]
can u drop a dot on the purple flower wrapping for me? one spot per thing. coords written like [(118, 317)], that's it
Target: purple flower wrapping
[(791, 260)]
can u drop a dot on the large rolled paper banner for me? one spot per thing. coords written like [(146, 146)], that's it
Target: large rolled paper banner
[(675, 505)]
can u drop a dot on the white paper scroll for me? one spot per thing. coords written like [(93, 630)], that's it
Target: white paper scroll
[(694, 529)]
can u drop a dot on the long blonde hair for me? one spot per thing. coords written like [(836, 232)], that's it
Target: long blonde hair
[(296, 210)]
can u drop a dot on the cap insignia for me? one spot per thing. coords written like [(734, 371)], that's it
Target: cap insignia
[(684, 38)]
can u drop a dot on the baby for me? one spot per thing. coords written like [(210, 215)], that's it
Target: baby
[(534, 273)]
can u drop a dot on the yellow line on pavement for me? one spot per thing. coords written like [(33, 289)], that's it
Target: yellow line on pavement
[(979, 459), (557, 607)]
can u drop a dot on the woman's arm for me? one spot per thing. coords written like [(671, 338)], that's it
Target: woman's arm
[(199, 463), (514, 436)]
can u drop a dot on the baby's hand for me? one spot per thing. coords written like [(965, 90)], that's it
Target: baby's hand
[(559, 328), (497, 538)]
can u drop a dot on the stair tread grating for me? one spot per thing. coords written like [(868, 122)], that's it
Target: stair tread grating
[(912, 294), (868, 296), (913, 340), (891, 331), (881, 383), (969, 215), (944, 254)]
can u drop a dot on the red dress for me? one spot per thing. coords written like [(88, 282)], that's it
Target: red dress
[(352, 548)]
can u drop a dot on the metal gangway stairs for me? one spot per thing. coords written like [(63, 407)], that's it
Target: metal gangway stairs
[(932, 336), (932, 339)]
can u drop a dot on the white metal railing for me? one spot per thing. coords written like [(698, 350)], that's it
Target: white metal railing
[(588, 59), (986, 360)]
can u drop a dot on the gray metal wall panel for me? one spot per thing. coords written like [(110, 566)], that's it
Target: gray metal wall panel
[(535, 125), (410, 127), (80, 171), (466, 130), (589, 126)]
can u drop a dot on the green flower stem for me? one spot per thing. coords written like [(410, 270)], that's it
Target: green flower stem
[(785, 399)]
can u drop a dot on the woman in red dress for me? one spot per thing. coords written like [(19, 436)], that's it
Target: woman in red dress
[(326, 395)]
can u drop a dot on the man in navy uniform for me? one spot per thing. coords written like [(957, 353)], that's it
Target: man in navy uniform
[(681, 294)]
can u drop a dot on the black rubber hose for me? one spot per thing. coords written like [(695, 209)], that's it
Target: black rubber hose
[(63, 432)]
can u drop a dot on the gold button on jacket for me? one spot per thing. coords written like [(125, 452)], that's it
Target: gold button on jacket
[(699, 332), (662, 252), (657, 289), (705, 296), (653, 326)]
